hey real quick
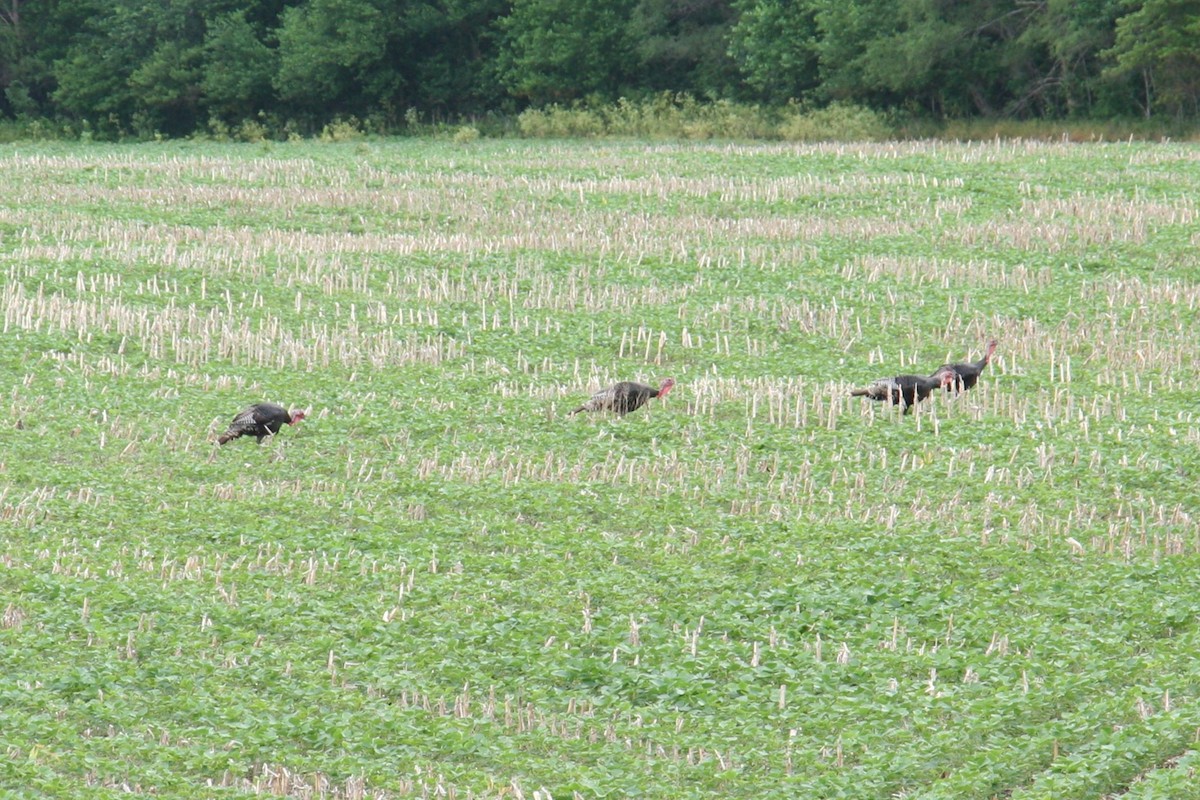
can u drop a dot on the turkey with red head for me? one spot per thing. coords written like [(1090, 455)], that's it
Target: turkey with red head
[(907, 390), (625, 397), (260, 420), (968, 372)]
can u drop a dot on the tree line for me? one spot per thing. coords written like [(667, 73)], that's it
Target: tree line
[(178, 66)]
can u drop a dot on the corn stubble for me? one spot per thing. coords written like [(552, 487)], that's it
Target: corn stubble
[(438, 551)]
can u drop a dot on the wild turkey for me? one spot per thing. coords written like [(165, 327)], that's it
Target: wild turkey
[(968, 372), (625, 397), (260, 420), (907, 390)]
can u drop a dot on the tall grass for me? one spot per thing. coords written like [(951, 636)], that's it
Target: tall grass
[(666, 116)]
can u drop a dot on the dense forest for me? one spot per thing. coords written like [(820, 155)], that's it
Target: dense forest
[(178, 66)]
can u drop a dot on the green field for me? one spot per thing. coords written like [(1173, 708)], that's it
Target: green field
[(441, 585)]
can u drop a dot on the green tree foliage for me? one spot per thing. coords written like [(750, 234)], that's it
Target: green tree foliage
[(1160, 42), (947, 57), (845, 31), (329, 51), (681, 45), (562, 50), (775, 44), (32, 37), (354, 57), (10, 40), (149, 66), (14, 94), (93, 75), (448, 57), (1065, 39), (238, 68)]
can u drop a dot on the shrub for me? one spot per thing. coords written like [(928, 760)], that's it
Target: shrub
[(218, 129), (663, 116), (726, 120), (466, 134), (35, 129), (342, 130), (837, 123), (252, 130), (558, 122)]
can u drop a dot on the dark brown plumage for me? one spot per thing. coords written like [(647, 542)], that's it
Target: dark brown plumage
[(907, 390), (968, 372), (625, 397), (260, 420)]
